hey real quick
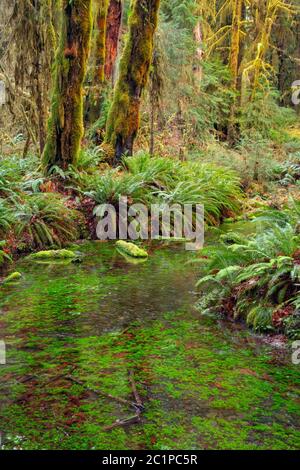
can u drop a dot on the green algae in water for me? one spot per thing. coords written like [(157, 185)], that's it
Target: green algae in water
[(204, 384)]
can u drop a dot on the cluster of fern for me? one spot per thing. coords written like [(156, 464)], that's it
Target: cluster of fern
[(158, 180), (257, 278), (31, 217)]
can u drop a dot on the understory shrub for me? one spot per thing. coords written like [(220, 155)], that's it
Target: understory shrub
[(257, 278), (164, 180), (44, 220)]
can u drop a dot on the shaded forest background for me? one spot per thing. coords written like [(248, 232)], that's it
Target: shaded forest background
[(221, 71)]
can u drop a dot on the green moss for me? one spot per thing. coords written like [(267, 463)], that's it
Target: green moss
[(65, 126), (123, 119), (101, 41), (53, 254), (131, 249), (204, 386), (12, 277)]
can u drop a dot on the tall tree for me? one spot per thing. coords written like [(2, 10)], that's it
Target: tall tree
[(65, 127), (234, 62), (26, 59), (101, 41), (114, 20), (123, 119), (265, 15), (93, 99)]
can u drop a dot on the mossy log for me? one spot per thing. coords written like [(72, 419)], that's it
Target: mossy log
[(123, 119), (12, 278), (65, 126), (131, 249), (53, 254)]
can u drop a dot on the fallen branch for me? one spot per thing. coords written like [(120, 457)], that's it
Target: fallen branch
[(124, 422), (103, 394), (134, 391)]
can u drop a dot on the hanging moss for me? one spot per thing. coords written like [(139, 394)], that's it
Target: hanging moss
[(123, 119), (65, 126)]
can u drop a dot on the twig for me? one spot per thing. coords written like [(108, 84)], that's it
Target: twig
[(134, 390), (102, 394), (123, 422)]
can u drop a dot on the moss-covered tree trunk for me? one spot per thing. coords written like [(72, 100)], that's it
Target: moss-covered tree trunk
[(65, 127), (234, 64), (114, 20), (94, 97), (123, 119), (101, 41)]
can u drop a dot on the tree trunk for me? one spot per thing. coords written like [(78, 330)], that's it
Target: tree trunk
[(123, 119), (93, 99), (199, 51), (114, 20), (65, 126), (101, 41), (234, 64)]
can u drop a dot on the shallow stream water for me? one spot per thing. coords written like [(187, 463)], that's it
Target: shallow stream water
[(81, 337)]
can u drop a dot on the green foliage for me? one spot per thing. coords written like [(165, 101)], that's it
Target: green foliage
[(263, 115), (45, 220), (111, 186), (260, 318), (288, 172), (213, 102), (181, 13), (89, 159), (6, 218), (165, 180), (263, 269), (13, 170), (4, 257)]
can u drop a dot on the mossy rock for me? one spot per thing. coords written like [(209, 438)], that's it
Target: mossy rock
[(53, 255), (12, 278), (130, 249), (131, 259)]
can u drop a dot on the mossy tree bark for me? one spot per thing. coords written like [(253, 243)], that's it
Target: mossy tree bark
[(65, 126), (114, 20), (101, 41), (93, 101), (234, 64), (123, 119)]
